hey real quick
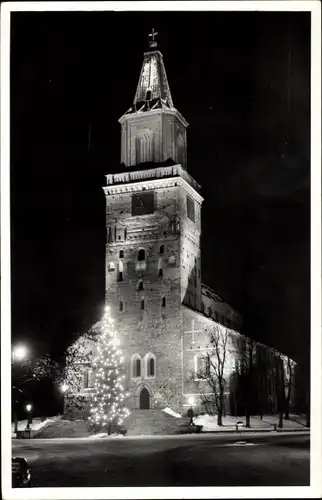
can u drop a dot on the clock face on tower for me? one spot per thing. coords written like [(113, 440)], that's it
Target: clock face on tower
[(143, 203)]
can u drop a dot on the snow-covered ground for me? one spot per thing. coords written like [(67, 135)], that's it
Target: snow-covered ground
[(37, 424), (209, 422), (172, 413)]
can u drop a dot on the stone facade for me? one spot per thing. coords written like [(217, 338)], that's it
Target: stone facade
[(164, 313), (146, 294)]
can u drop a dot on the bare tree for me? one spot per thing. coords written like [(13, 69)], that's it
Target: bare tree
[(260, 375), (26, 374), (280, 387), (211, 371), (246, 376), (78, 359), (289, 378)]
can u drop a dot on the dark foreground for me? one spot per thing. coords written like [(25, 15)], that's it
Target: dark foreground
[(208, 460)]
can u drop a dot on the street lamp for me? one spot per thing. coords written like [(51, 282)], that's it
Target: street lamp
[(29, 414), (19, 352), (190, 411), (63, 388)]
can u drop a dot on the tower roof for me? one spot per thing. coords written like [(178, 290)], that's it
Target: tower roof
[(153, 89)]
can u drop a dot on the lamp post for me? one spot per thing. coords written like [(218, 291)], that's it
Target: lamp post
[(19, 353), (190, 411), (15, 394), (63, 389), (29, 416)]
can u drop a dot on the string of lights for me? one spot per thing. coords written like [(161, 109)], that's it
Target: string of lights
[(108, 407)]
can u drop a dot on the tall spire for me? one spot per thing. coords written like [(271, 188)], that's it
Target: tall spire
[(153, 90), (153, 130)]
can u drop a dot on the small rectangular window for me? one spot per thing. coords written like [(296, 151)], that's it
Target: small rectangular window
[(86, 380)]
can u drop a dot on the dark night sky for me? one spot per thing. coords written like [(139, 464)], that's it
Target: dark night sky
[(242, 80)]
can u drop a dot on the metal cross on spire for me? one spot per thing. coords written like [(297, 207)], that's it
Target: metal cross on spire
[(153, 43)]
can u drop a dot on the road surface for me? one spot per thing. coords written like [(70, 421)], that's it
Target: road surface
[(193, 460)]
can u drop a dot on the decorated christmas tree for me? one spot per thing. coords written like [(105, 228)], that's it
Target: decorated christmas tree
[(108, 408)]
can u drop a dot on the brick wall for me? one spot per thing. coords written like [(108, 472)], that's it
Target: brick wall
[(156, 329)]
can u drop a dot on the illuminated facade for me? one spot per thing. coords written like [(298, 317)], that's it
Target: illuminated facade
[(153, 266), (163, 311)]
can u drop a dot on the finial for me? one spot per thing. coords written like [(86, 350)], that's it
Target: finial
[(153, 43)]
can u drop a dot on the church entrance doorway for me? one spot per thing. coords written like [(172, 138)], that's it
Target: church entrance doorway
[(144, 399)]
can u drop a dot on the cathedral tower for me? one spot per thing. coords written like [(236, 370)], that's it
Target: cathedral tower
[(153, 221)]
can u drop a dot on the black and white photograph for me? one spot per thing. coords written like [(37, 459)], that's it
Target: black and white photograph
[(159, 184)]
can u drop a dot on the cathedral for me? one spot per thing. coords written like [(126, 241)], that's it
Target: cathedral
[(163, 311)]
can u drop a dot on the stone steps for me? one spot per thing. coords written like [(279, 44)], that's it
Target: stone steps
[(152, 422)]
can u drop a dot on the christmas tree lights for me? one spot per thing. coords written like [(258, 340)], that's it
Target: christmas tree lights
[(107, 406)]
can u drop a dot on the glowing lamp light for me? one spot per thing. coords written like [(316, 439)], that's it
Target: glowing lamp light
[(20, 352), (28, 407), (190, 401), (63, 388)]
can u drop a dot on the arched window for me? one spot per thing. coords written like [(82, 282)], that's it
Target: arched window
[(144, 146), (121, 254), (148, 95), (136, 366), (141, 254), (163, 302), (160, 269), (180, 149), (162, 249), (140, 285), (151, 368), (141, 263), (142, 304), (120, 271), (150, 365), (121, 305)]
